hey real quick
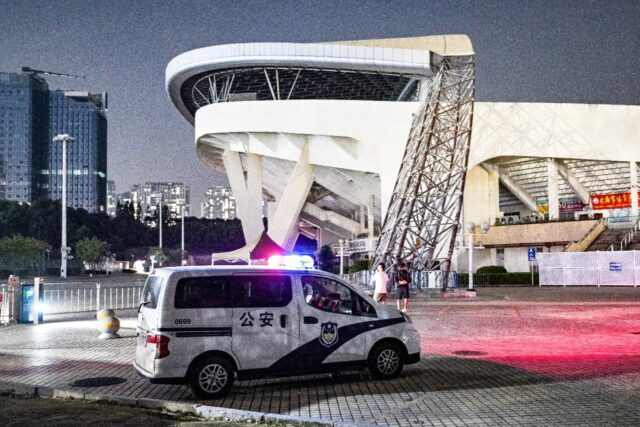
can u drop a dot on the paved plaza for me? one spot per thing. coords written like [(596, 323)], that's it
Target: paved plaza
[(511, 356)]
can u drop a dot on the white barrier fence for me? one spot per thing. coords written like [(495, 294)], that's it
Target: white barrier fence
[(608, 268), (6, 298), (59, 301), (419, 280)]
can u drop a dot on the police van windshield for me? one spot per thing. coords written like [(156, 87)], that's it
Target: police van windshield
[(151, 291)]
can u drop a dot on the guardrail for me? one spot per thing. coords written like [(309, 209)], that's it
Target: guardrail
[(61, 301), (6, 305), (420, 280), (628, 238)]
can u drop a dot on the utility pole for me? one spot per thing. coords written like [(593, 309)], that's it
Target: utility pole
[(160, 222), (182, 236)]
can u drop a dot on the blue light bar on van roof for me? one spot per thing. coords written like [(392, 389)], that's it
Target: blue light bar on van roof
[(291, 261)]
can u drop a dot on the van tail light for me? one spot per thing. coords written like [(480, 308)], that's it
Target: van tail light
[(162, 345)]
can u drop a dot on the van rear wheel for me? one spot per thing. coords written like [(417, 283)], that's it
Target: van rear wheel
[(386, 361), (212, 377)]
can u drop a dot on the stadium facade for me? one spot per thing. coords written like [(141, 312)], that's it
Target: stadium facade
[(321, 130)]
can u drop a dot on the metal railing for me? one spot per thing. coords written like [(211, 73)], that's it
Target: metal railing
[(632, 222), (6, 305), (420, 280), (59, 301)]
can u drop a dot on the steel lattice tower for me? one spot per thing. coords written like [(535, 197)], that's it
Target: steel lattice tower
[(423, 217)]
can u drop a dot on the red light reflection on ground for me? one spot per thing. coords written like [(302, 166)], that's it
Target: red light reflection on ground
[(568, 342)]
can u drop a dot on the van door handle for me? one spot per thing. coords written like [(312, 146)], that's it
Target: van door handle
[(310, 320), (283, 320)]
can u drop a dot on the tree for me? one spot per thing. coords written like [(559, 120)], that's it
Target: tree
[(22, 252), (325, 258), (157, 255), (92, 251), (174, 256)]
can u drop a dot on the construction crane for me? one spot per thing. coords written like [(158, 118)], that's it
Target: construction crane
[(33, 72)]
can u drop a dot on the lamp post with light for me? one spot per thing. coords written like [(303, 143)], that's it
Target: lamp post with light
[(471, 229), (64, 249), (182, 235), (342, 243)]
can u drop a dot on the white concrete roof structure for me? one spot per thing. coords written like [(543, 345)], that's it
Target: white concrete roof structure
[(321, 128)]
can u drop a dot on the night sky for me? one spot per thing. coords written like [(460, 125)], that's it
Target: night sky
[(538, 51)]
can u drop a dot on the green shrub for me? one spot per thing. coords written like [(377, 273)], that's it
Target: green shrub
[(359, 265), (491, 269)]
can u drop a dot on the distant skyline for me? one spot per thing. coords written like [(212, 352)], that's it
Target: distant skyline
[(537, 51)]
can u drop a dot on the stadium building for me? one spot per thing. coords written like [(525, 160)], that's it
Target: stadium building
[(341, 136)]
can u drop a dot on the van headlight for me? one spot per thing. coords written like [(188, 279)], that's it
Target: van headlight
[(406, 317)]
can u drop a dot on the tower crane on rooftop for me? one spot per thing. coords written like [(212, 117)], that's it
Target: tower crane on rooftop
[(34, 72)]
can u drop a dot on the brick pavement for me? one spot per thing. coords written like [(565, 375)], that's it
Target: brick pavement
[(529, 357)]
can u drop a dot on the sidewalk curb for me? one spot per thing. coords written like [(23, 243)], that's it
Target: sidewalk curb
[(202, 411)]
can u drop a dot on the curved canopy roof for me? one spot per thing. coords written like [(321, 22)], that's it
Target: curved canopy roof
[(389, 65)]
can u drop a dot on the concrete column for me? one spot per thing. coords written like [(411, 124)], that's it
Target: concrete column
[(362, 217), (247, 192), (370, 217), (271, 210), (552, 189), (284, 228), (633, 177), (493, 181)]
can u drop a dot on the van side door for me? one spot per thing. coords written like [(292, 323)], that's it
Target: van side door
[(201, 314), (333, 323), (265, 327)]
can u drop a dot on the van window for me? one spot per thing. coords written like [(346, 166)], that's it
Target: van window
[(328, 295), (151, 291), (261, 291), (366, 309), (203, 292)]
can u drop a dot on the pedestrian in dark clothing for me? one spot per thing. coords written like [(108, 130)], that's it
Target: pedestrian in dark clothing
[(402, 281)]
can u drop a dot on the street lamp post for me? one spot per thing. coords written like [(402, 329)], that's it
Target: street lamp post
[(64, 250), (160, 223), (342, 243), (471, 229), (182, 235)]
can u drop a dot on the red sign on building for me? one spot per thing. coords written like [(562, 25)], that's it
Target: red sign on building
[(612, 201)]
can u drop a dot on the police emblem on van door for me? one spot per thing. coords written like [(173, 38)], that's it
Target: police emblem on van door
[(328, 334)]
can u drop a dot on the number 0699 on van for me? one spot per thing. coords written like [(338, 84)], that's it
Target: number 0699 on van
[(207, 326)]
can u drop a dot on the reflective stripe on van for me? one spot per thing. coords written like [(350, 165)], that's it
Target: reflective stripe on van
[(314, 352), (198, 332)]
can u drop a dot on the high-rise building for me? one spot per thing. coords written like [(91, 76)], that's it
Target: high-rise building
[(82, 116), (24, 130), (31, 163), (112, 198), (174, 195), (218, 203)]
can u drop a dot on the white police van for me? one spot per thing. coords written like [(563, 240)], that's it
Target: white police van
[(207, 325)]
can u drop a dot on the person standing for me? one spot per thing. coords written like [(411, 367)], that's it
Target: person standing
[(403, 279), (392, 278), (380, 281)]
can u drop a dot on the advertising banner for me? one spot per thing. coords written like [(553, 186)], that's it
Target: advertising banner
[(567, 205), (612, 201)]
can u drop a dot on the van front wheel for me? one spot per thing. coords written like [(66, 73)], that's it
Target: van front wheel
[(211, 377), (385, 361)]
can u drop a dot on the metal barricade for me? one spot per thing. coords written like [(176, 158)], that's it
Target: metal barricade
[(5, 305), (89, 297)]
